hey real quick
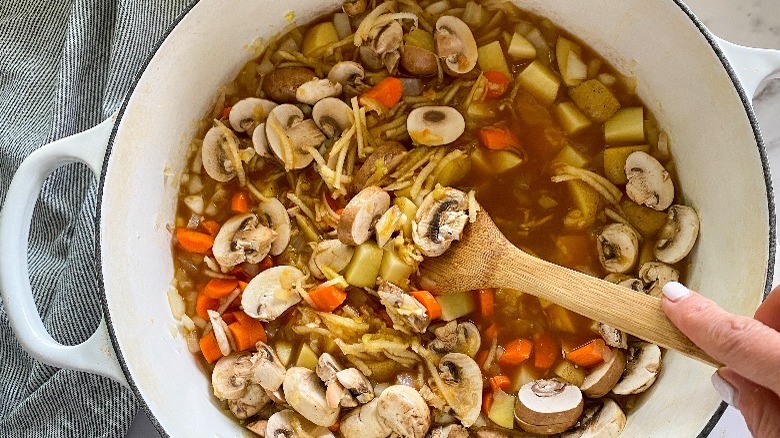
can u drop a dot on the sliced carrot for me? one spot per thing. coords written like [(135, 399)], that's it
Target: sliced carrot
[(387, 92), (266, 263), (501, 381), (487, 302), (491, 332), (247, 333), (432, 307), (487, 401), (498, 138), (203, 304), (194, 241), (590, 354), (211, 226), (339, 211), (229, 317), (546, 351), (335, 427), (226, 112), (327, 298), (242, 285), (516, 352), (210, 348), (218, 288), (240, 202), (498, 83), (481, 359)]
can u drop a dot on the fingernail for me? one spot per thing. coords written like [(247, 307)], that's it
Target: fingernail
[(724, 388), (675, 291)]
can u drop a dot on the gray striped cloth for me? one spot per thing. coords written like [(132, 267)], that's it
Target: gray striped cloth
[(65, 65)]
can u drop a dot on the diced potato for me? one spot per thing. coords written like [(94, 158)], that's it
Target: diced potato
[(543, 49), (481, 110), (576, 70), (570, 372), (563, 47), (644, 219), (495, 162), (571, 156), (571, 118), (454, 171), (474, 15), (615, 162), (420, 38), (284, 351), (595, 100), (363, 269), (491, 57), (586, 198), (409, 208), (560, 319), (319, 36), (502, 411), (540, 81), (454, 306), (525, 373), (394, 270), (307, 358), (626, 126), (520, 48)]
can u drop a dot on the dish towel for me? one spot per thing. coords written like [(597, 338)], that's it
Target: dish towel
[(65, 66)]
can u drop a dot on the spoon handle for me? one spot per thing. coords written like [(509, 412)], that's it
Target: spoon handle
[(632, 312)]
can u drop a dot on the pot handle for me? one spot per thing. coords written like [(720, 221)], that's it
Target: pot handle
[(96, 354), (754, 67)]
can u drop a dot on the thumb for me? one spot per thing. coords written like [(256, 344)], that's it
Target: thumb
[(759, 406), (745, 345)]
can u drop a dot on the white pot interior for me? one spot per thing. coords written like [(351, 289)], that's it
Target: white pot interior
[(679, 78)]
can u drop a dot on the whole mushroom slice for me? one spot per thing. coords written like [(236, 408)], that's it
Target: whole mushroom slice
[(440, 220), (330, 254), (612, 336), (357, 384), (601, 379), (403, 309), (644, 364), (332, 116), (364, 422), (248, 113), (455, 44), (463, 378), (290, 424), (618, 247), (548, 406), (602, 421), (252, 402), (271, 293), (220, 153), (656, 275), (268, 369), (361, 213), (455, 337), (381, 162), (648, 183), (435, 125), (678, 235), (278, 220), (242, 239), (305, 393), (350, 75), (230, 378), (281, 84), (403, 410), (315, 90), (289, 135)]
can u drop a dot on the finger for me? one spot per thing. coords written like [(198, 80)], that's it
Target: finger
[(759, 406), (769, 311), (743, 344)]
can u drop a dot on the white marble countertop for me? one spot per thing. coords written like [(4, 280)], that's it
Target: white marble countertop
[(748, 22)]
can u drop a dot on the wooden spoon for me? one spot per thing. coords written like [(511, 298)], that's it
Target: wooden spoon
[(484, 258)]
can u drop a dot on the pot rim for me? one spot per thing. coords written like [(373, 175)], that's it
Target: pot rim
[(746, 102)]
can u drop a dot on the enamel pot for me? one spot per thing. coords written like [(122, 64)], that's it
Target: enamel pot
[(699, 88)]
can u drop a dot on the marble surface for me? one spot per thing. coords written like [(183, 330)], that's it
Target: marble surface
[(748, 22)]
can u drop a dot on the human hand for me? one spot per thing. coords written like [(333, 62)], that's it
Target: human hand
[(749, 348)]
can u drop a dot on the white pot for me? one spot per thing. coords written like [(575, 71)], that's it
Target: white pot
[(682, 76)]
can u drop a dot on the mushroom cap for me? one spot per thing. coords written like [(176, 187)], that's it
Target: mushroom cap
[(435, 125), (316, 89), (361, 213), (332, 116), (604, 421), (279, 221), (403, 410), (215, 157), (603, 378), (656, 275), (281, 84), (268, 369), (648, 183), (299, 133), (331, 253), (440, 220), (350, 75), (365, 422), (357, 384), (677, 237), (548, 406), (419, 61), (612, 336), (247, 113), (462, 374), (618, 247), (271, 293), (455, 43), (388, 153), (280, 426), (241, 238), (305, 393), (644, 364), (228, 379)]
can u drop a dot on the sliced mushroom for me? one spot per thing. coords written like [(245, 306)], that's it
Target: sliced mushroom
[(403, 410), (330, 254), (290, 424), (548, 406), (677, 237), (252, 402), (361, 213), (656, 275), (455, 337), (463, 379), (289, 135), (353, 8), (221, 331), (229, 378), (450, 431), (350, 75), (242, 239), (604, 377), (365, 422), (282, 84), (271, 293), (219, 153), (268, 369), (337, 395), (419, 61), (626, 281), (305, 393), (327, 367), (648, 182), (278, 220), (332, 116), (402, 308), (391, 221), (644, 364), (435, 125), (315, 90), (258, 427), (384, 44), (602, 421), (612, 336), (618, 247), (260, 141), (357, 384), (381, 162), (440, 221), (456, 45), (248, 113)]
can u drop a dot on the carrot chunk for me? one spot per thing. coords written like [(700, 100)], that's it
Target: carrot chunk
[(203, 304), (590, 354), (546, 351), (487, 302), (266, 263), (387, 92), (432, 307), (226, 112), (500, 382), (210, 348), (240, 202), (487, 401), (247, 332), (516, 352), (211, 226), (498, 138), (491, 332), (194, 241), (481, 359), (327, 298), (218, 288), (498, 83)]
